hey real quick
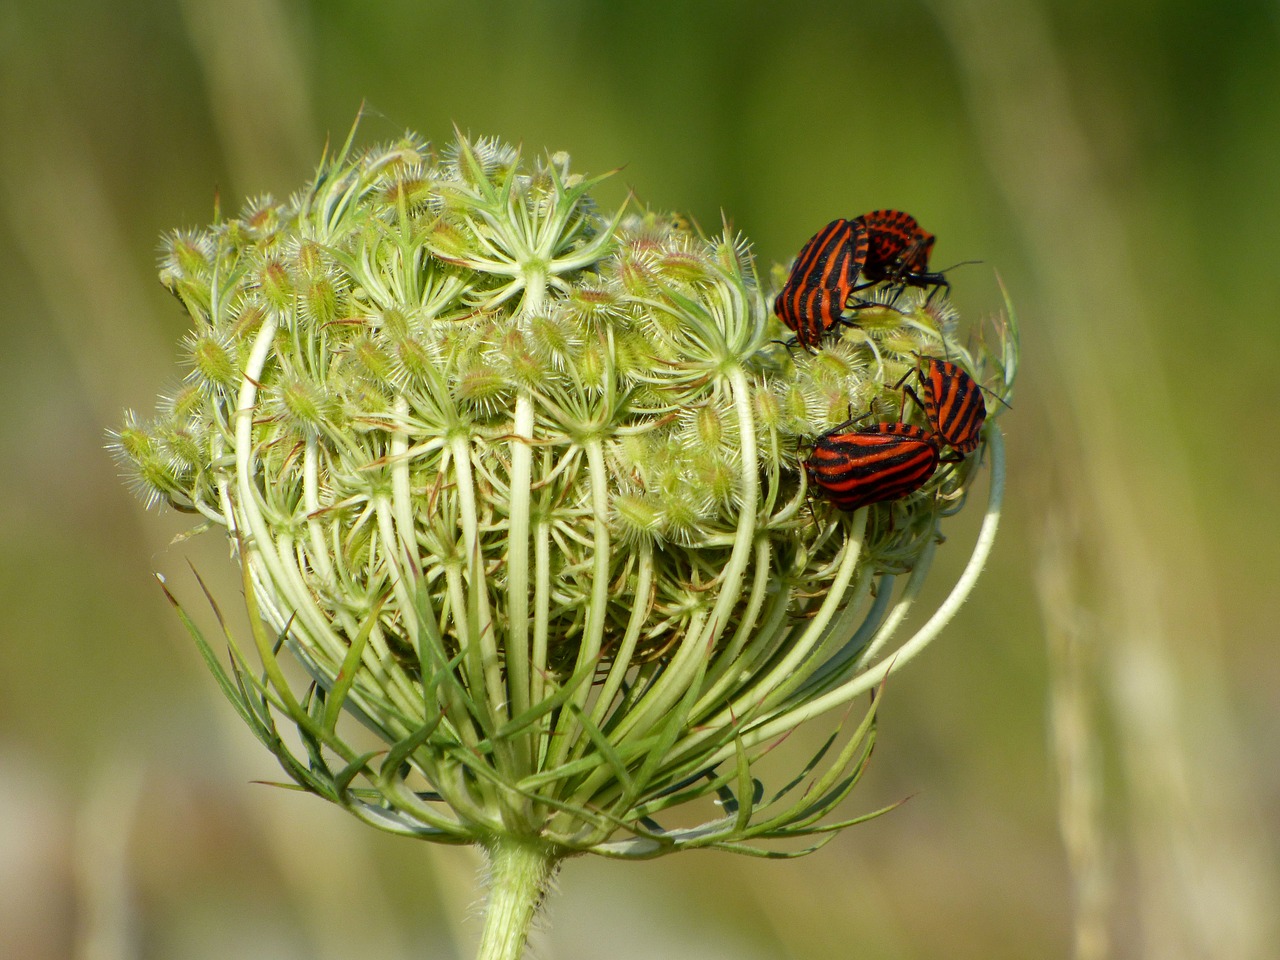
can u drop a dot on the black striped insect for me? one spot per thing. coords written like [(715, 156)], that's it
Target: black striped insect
[(898, 250), (952, 403), (823, 278), (884, 462)]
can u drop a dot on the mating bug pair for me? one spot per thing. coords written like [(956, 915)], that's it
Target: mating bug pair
[(890, 460), (846, 257)]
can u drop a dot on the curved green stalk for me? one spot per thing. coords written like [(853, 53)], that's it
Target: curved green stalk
[(942, 616)]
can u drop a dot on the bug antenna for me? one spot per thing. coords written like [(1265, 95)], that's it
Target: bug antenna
[(962, 263), (995, 396)]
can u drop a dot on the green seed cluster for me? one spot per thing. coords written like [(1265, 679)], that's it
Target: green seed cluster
[(415, 298)]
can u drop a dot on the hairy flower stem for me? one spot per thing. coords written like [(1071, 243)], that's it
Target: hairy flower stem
[(520, 873)]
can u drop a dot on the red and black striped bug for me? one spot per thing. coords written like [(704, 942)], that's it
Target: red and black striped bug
[(884, 462), (952, 403), (898, 250), (825, 275)]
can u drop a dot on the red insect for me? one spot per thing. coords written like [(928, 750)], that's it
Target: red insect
[(884, 462), (898, 250), (952, 403), (825, 275)]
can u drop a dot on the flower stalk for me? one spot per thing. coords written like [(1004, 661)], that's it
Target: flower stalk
[(520, 873)]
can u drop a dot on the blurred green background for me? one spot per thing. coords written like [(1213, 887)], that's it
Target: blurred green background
[(1089, 750)]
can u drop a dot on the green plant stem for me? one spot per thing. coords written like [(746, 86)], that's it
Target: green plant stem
[(520, 873)]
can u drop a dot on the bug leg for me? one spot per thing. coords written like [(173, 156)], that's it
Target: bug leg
[(790, 345)]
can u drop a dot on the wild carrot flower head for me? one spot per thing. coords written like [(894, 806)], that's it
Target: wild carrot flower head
[(519, 483)]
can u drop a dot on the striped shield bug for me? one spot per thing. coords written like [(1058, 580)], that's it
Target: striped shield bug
[(823, 278), (898, 250), (884, 462), (952, 403)]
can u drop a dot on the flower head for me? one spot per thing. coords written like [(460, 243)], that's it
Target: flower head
[(519, 483)]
